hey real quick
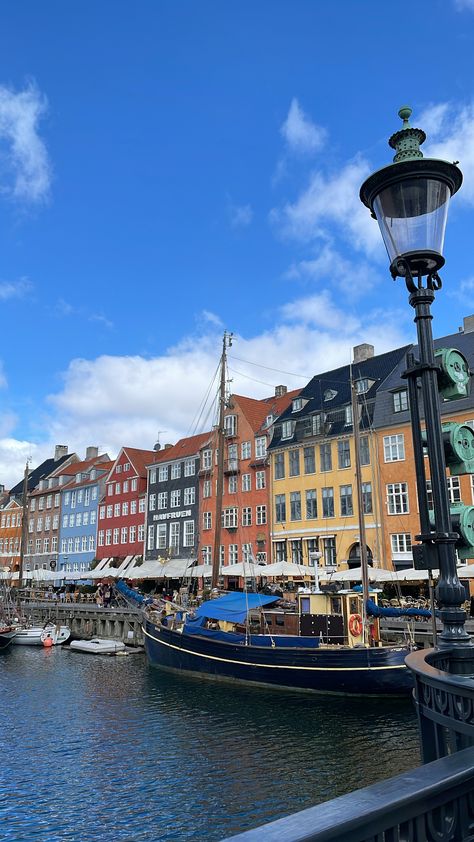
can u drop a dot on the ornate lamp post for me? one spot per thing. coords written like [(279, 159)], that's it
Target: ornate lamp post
[(409, 199)]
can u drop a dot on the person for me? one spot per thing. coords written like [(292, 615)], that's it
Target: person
[(98, 596)]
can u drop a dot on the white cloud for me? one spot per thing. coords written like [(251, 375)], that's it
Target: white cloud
[(15, 289), (355, 278), (328, 201), (240, 215), (464, 4), (3, 379), (103, 320), (207, 317), (300, 133), (25, 171), (452, 139)]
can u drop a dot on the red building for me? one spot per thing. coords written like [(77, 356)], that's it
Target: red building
[(122, 511), (245, 533)]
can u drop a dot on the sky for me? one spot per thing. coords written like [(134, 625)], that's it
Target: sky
[(170, 169)]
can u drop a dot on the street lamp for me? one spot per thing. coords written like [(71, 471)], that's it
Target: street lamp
[(409, 199)]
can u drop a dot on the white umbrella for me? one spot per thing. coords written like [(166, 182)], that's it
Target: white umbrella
[(466, 571), (149, 570), (412, 575), (243, 568), (178, 567), (101, 574), (287, 568), (204, 570), (376, 574)]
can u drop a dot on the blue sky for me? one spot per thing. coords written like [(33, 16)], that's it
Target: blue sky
[(171, 169)]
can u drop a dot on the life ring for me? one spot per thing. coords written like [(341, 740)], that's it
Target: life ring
[(355, 625)]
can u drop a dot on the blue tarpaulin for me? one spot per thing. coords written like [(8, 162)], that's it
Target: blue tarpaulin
[(233, 607), (375, 610)]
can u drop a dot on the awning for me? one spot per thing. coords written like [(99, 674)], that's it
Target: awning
[(287, 568), (178, 567), (375, 574), (243, 568), (233, 607)]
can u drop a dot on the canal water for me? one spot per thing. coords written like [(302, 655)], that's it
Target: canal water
[(108, 749)]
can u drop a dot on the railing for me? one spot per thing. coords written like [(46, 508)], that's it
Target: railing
[(434, 803)]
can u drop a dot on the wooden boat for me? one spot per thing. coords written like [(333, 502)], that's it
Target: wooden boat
[(7, 634), (98, 646)]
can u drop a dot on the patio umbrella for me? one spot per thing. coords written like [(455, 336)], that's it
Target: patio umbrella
[(376, 574), (243, 568), (286, 568)]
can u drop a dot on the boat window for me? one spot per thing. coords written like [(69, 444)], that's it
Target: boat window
[(336, 605), (305, 605), (279, 621), (354, 605)]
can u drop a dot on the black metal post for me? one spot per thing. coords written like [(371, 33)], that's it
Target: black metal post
[(441, 541)]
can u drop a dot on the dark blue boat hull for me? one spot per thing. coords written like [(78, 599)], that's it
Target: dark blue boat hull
[(361, 671)]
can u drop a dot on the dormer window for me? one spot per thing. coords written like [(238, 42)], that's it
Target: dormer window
[(362, 386), (287, 429), (348, 415), (297, 405), (330, 394), (230, 425), (269, 421), (78, 477)]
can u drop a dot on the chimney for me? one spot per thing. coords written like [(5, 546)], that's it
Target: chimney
[(280, 391), (468, 324), (59, 451), (363, 352), (91, 453)]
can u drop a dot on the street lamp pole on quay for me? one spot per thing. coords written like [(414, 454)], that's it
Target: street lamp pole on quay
[(409, 199)]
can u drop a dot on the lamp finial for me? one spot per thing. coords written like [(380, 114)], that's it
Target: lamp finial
[(407, 141)]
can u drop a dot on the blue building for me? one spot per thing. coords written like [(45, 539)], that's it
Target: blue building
[(79, 515)]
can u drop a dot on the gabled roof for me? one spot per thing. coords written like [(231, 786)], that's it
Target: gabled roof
[(86, 464), (102, 468), (139, 459), (256, 411), (41, 472), (189, 446)]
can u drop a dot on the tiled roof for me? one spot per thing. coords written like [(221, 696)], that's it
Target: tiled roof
[(141, 458), (42, 471), (82, 467), (183, 448), (256, 411), (102, 467)]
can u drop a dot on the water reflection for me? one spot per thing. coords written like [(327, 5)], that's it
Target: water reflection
[(107, 748)]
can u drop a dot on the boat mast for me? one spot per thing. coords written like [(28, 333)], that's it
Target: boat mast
[(360, 505), (24, 525), (226, 343)]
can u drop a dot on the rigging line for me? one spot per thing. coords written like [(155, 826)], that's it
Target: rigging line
[(247, 377), (202, 406), (269, 368)]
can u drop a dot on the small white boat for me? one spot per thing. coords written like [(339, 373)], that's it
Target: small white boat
[(98, 646), (36, 635)]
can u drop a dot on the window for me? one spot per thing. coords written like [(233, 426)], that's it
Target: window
[(152, 502), (296, 548), (364, 451), (206, 489), (160, 536), (151, 538), (280, 508), (93, 515), (311, 504), (76, 544), (401, 542), (57, 498), (362, 386), (39, 523), (247, 516), (309, 460), (287, 429), (261, 515), (454, 490), (206, 553), (294, 458), (141, 532), (175, 498), (174, 536), (110, 490), (134, 484), (132, 534), (261, 558), (280, 550), (328, 502), (230, 425), (163, 473), (45, 545), (54, 544), (230, 518), (87, 496), (176, 470), (232, 485), (101, 537), (91, 543), (152, 476), (162, 500), (400, 401), (49, 501), (38, 545), (108, 537), (117, 510), (141, 504), (125, 508), (246, 450), (189, 467), (348, 416), (78, 519), (85, 518), (233, 553), (345, 492), (118, 469), (344, 453), (260, 480), (188, 534), (47, 521), (394, 448), (206, 460), (189, 496), (110, 511), (367, 498), (33, 503), (397, 498), (325, 456), (116, 533), (84, 544), (80, 495), (247, 552), (56, 520), (207, 520), (329, 551), (295, 505), (126, 466), (246, 482), (279, 465), (41, 502), (261, 447), (133, 507), (73, 500), (65, 521), (94, 490), (233, 457), (118, 488)]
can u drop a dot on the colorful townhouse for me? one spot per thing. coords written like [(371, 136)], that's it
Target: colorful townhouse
[(122, 510), (312, 460), (245, 530), (399, 499), (10, 535), (172, 516), (79, 514)]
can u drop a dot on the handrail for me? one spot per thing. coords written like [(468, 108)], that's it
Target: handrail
[(433, 802)]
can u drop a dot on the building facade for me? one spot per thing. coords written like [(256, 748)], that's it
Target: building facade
[(79, 517), (10, 535)]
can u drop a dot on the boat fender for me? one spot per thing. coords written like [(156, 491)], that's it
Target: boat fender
[(355, 625), (47, 642)]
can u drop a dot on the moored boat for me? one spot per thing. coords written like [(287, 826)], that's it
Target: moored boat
[(98, 646), (7, 634), (36, 635)]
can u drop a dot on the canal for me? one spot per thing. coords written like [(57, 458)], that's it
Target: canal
[(99, 748)]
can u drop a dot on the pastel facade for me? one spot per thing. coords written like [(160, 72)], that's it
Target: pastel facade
[(10, 535), (79, 517)]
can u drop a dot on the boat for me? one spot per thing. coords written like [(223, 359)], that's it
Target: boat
[(36, 635), (98, 646), (326, 640), (7, 634)]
